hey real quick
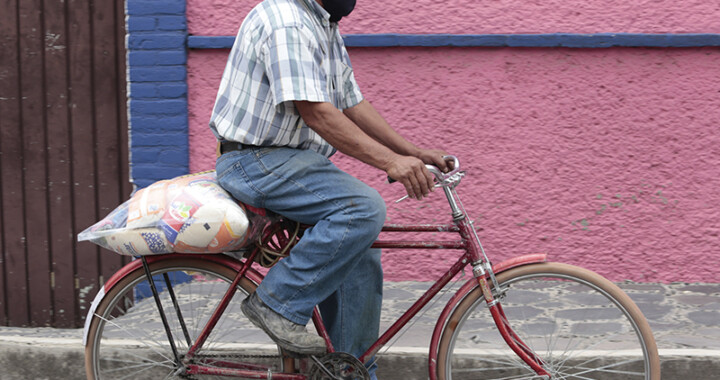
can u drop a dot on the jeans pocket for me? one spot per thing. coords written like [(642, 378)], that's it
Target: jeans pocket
[(233, 177), (226, 163)]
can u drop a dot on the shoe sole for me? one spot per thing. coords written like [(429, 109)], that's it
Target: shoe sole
[(285, 345)]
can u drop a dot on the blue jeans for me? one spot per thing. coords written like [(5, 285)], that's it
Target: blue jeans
[(332, 265)]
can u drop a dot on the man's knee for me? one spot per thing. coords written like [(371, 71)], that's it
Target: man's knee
[(372, 209)]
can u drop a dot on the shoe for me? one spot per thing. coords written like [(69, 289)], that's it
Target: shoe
[(288, 335)]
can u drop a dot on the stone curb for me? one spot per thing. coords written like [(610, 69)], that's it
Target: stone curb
[(25, 358)]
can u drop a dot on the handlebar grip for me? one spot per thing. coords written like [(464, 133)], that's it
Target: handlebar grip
[(436, 171)]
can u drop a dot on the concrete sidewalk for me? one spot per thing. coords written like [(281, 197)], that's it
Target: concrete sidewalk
[(685, 319)]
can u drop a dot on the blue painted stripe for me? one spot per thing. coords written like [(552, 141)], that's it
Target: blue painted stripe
[(570, 40), (210, 42)]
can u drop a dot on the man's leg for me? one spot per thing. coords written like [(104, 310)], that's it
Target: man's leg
[(352, 313), (347, 216)]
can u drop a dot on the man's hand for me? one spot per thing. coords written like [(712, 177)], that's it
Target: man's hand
[(435, 157), (412, 173)]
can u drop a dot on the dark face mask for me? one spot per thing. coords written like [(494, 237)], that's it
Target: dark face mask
[(338, 8)]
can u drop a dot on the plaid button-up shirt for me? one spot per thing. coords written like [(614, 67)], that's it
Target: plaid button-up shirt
[(285, 50)]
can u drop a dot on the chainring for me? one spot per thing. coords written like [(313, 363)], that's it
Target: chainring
[(341, 365)]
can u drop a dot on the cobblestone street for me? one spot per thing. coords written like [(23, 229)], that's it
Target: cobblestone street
[(685, 319)]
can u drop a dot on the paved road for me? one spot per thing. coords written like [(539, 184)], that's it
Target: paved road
[(685, 319)]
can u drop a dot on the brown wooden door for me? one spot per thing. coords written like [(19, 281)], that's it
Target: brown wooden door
[(63, 153)]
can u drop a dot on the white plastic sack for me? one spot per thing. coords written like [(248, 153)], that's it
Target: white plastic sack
[(188, 214)]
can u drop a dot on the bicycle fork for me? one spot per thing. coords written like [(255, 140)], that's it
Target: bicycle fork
[(482, 272)]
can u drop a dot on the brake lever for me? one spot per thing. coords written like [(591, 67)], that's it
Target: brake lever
[(402, 199)]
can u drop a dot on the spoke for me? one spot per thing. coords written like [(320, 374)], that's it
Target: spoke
[(511, 377), (142, 359), (140, 340), (512, 362), (200, 317), (572, 376), (606, 369), (133, 374), (136, 365), (567, 355), (469, 370)]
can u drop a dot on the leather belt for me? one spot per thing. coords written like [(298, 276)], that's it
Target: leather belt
[(229, 146)]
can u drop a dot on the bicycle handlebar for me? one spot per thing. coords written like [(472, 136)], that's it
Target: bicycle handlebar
[(439, 175)]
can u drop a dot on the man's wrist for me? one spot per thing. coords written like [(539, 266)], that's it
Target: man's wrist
[(407, 148), (386, 162)]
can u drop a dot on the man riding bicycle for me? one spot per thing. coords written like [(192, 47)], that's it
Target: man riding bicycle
[(287, 101)]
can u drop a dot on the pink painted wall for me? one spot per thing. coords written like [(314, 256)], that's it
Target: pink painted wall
[(605, 158), (222, 17)]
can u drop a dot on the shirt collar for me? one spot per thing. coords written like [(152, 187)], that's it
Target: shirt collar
[(319, 11)]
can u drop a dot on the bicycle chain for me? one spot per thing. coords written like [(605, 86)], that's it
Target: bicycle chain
[(314, 373)]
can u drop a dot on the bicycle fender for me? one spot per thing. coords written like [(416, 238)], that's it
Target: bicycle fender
[(466, 288), (221, 259), (91, 312)]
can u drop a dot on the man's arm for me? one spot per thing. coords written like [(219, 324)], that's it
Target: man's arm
[(371, 122), (348, 137)]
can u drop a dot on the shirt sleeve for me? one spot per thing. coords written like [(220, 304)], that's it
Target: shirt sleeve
[(352, 95), (293, 65)]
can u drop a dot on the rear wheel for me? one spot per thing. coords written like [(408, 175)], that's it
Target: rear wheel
[(582, 326), (127, 340)]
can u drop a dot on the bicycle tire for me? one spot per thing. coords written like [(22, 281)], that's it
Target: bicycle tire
[(126, 338), (582, 325)]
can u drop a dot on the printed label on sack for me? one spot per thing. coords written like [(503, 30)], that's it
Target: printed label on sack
[(177, 214)]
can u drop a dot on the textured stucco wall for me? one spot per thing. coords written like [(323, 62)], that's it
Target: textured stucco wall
[(221, 17), (606, 158)]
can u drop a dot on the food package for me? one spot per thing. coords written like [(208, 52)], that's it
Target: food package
[(147, 205), (188, 214)]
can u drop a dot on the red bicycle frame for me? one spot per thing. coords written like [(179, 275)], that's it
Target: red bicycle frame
[(484, 277), (243, 269), (470, 256)]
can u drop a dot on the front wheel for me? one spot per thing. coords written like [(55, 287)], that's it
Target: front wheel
[(581, 325)]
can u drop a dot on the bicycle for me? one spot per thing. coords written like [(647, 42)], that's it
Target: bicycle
[(177, 316)]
